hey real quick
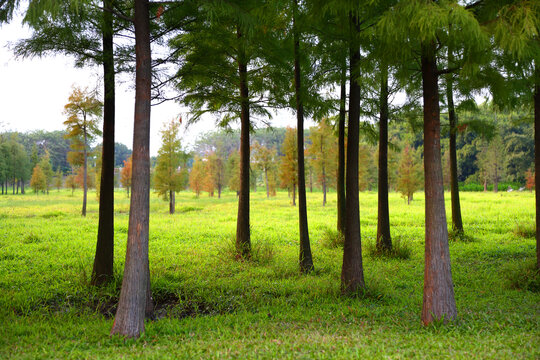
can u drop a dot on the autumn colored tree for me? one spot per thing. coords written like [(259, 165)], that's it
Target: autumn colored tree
[(288, 173), (38, 181), (265, 160), (83, 111), (196, 176), (71, 183), (409, 174), (367, 168), (125, 175), (323, 151), (167, 175), (530, 176)]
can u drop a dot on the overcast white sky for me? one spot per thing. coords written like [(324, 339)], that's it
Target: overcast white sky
[(33, 93)]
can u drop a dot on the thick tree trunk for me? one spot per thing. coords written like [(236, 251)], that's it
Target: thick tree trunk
[(135, 296), (104, 258), (352, 272), (243, 242), (306, 260), (85, 172), (384, 241), (341, 207), (171, 202), (439, 302), (537, 158), (457, 223)]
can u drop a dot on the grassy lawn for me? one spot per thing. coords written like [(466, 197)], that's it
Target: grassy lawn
[(210, 306)]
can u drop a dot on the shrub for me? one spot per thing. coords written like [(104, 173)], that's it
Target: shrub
[(525, 229), (332, 238), (400, 249), (524, 276)]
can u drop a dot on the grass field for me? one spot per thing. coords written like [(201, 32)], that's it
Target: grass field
[(210, 306)]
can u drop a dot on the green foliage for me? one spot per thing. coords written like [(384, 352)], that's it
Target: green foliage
[(409, 178), (170, 173), (332, 238)]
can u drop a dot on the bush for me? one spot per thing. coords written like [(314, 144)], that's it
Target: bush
[(525, 229), (262, 252), (459, 236), (524, 276), (332, 239), (400, 249)]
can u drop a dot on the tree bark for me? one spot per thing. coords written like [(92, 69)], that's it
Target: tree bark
[(537, 157), (341, 207), (438, 302), (266, 182), (135, 297), (306, 260), (457, 223), (171, 202), (85, 171), (352, 273), (104, 258), (243, 242), (384, 241)]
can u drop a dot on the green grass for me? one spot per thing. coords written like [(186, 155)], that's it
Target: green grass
[(209, 305)]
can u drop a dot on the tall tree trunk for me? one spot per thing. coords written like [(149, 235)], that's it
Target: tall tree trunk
[(324, 186), (294, 195), (22, 187), (266, 182), (384, 241), (306, 260), (171, 202), (341, 206), (85, 171), (439, 302), (243, 242), (496, 178), (104, 258), (352, 272), (310, 180), (135, 300), (457, 223), (537, 157)]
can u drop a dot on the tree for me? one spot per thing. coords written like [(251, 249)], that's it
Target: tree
[(288, 173), (233, 171), (530, 176), (125, 175), (197, 176), (58, 177), (83, 111), (46, 167), (323, 150), (214, 173), (265, 160), (491, 161), (71, 183), (167, 176), (135, 296), (409, 174), (38, 181)]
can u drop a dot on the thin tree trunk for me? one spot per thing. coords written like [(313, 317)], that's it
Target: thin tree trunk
[(294, 195), (352, 272), (496, 178), (171, 202), (438, 302), (306, 260), (85, 171), (104, 258), (243, 242), (457, 223), (266, 182), (485, 184), (135, 299), (341, 207), (310, 180), (324, 186), (384, 241), (22, 187), (537, 158)]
